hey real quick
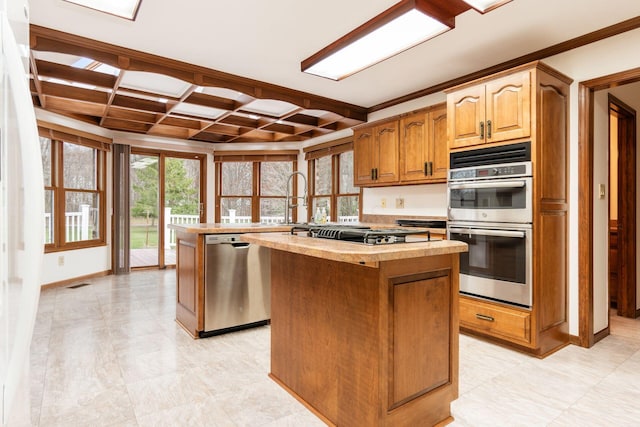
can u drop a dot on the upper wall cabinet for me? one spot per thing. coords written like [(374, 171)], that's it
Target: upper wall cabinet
[(375, 154), (494, 111), (423, 146), (409, 149)]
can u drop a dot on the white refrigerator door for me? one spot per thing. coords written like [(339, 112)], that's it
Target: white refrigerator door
[(21, 215)]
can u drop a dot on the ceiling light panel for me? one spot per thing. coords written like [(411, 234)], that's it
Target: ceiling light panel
[(383, 37), (270, 107), (483, 6), (127, 9), (154, 83)]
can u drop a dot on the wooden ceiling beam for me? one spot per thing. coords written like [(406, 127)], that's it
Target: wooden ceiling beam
[(45, 39), (72, 74), (66, 91)]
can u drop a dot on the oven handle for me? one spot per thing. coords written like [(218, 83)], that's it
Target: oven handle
[(484, 232), (504, 184)]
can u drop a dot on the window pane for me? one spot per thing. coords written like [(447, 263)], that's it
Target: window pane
[(271, 211), (348, 209), (80, 167), (323, 175), (81, 216), (45, 151), (49, 219), (235, 210), (182, 186), (318, 204), (273, 178), (144, 201), (237, 178), (346, 174)]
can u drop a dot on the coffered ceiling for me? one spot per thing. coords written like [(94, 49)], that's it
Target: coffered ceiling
[(229, 71)]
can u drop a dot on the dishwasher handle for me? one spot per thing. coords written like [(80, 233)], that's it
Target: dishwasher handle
[(240, 245)]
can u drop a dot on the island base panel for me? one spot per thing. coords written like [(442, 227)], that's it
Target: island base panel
[(332, 338)]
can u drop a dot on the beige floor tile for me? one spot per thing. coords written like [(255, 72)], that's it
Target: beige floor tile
[(111, 354)]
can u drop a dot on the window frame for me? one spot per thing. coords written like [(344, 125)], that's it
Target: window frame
[(332, 149), (101, 146), (256, 159)]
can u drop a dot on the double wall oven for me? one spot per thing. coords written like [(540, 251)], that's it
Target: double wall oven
[(489, 193)]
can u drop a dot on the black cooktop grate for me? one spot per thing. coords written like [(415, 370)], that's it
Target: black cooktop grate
[(360, 234)]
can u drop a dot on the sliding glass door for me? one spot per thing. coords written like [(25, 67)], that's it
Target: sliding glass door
[(165, 188)]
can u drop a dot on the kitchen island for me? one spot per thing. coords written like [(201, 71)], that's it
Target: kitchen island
[(365, 335)]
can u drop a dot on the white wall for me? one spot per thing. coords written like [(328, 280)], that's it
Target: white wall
[(419, 200)]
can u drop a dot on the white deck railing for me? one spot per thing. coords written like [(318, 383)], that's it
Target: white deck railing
[(77, 223)]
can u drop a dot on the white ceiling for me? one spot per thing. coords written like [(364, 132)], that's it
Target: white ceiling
[(267, 39)]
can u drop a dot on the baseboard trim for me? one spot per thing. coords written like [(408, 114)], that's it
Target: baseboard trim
[(575, 340), (601, 335), (637, 312), (64, 283)]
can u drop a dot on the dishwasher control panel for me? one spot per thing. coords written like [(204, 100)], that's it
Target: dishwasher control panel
[(212, 239)]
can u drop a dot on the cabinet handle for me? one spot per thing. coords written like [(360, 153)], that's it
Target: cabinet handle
[(426, 168), (430, 168), (372, 176), (488, 129), (481, 130), (485, 317), (375, 174)]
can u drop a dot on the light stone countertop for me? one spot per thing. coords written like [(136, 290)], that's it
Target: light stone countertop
[(355, 253)]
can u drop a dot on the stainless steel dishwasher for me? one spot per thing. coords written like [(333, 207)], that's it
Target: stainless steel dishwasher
[(237, 284)]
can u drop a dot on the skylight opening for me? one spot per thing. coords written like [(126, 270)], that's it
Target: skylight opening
[(127, 9)]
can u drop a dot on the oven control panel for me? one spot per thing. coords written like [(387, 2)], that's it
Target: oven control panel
[(499, 171)]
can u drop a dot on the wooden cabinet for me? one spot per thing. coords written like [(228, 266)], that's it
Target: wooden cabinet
[(496, 320), (376, 154), (494, 111), (364, 345), (423, 146), (529, 103), (411, 149), (190, 282)]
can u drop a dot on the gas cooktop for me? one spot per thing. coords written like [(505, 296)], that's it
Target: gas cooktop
[(362, 234)]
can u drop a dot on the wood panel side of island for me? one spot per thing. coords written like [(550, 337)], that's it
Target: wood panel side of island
[(363, 346), (190, 282)]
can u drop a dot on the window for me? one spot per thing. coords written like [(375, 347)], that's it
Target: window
[(252, 187), (74, 181), (332, 189)]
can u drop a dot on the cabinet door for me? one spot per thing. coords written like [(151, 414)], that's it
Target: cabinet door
[(387, 139), (414, 148), (508, 114), (438, 152), (466, 111), (364, 156)]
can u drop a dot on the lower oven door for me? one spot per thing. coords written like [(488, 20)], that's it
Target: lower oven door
[(498, 263)]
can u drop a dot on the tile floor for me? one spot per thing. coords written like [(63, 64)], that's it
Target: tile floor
[(110, 354)]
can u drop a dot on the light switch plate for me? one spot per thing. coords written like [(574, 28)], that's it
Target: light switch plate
[(601, 191)]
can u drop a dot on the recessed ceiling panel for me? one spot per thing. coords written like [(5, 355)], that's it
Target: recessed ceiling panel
[(270, 107), (198, 111), (154, 83), (223, 93)]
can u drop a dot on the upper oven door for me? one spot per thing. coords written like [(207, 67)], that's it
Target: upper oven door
[(499, 200)]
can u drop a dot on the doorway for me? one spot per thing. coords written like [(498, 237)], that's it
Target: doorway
[(622, 208), (586, 187), (164, 188)]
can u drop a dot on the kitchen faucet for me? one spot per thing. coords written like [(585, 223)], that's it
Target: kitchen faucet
[(287, 206)]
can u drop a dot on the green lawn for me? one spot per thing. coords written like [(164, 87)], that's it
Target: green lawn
[(144, 236)]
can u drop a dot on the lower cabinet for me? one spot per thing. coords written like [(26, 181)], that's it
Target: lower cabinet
[(496, 320), (190, 282)]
